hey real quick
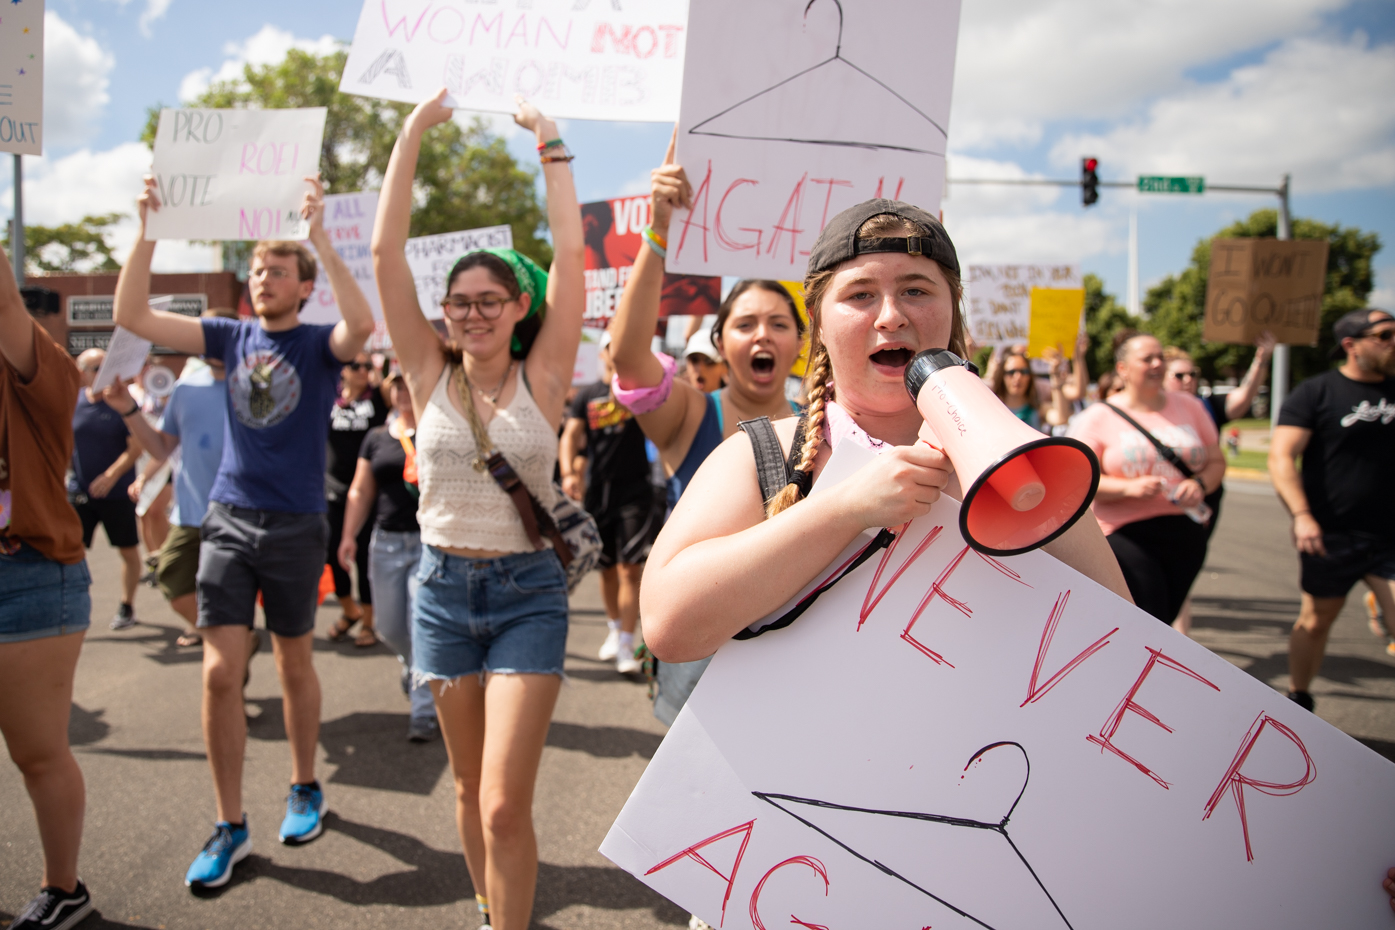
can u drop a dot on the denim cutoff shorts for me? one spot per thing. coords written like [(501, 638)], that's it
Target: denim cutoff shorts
[(40, 597), (471, 616)]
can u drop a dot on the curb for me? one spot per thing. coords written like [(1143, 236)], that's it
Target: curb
[(1247, 474)]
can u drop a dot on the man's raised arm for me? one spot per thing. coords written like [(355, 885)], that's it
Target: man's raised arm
[(178, 332), (353, 330)]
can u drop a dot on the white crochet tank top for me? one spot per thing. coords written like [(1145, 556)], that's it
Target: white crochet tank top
[(461, 508)]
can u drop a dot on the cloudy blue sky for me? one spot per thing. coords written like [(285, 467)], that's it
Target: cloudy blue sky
[(1236, 90)]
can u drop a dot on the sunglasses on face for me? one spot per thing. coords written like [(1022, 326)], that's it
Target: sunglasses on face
[(1385, 335), (488, 308), (358, 366), (1183, 375), (1009, 372)]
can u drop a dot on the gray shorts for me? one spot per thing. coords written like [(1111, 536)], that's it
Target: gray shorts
[(243, 551)]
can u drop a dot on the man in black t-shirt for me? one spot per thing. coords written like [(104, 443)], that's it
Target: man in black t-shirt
[(620, 495), (1342, 424)]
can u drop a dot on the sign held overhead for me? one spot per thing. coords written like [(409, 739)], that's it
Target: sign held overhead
[(22, 78), (1265, 284)]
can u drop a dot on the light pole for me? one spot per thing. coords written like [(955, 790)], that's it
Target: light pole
[(1278, 376), (17, 227)]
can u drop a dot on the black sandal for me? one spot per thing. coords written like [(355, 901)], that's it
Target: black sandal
[(340, 631)]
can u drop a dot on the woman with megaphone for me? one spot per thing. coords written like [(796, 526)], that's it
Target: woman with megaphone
[(883, 286)]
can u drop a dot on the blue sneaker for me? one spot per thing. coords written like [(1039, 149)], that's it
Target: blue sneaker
[(228, 846), (305, 810)]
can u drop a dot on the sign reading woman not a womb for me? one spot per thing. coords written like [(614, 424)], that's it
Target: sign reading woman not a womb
[(578, 59), (234, 174), (953, 741)]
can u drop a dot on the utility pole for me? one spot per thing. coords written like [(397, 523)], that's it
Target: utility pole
[(17, 227), (1134, 304), (1278, 376)]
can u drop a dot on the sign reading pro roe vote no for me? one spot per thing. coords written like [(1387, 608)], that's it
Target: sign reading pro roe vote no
[(234, 174)]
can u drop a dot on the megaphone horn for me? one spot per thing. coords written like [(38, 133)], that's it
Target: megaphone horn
[(1022, 489)]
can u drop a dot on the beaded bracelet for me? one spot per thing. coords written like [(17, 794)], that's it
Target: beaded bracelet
[(653, 240), (547, 159), (543, 146)]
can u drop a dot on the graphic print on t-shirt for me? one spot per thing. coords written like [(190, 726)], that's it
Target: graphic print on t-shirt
[(604, 412), (1141, 456), (265, 388), (1366, 412)]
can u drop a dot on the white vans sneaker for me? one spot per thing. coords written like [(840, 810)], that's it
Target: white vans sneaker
[(627, 664), (611, 647)]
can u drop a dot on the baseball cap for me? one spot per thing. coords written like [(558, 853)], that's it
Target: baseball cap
[(839, 241), (700, 343), (1354, 324)]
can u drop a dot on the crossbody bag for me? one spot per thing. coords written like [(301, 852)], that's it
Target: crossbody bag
[(1199, 514)]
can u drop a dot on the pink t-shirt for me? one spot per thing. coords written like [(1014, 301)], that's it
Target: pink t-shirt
[(1183, 424)]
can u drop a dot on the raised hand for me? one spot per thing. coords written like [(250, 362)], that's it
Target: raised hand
[(312, 207), (532, 119), (117, 396), (430, 112), (669, 188), (149, 199)]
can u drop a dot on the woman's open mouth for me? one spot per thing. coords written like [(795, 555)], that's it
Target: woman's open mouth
[(892, 358), (762, 363)]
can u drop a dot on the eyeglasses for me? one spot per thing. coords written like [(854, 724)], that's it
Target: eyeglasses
[(276, 274), (1384, 335), (358, 366), (488, 308), (1009, 372), (1182, 375)]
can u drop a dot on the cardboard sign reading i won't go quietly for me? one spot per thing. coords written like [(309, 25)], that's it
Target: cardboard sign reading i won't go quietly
[(234, 174), (1265, 284)]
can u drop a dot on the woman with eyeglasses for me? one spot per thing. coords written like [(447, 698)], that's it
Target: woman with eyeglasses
[(1160, 457), (489, 616), (359, 408)]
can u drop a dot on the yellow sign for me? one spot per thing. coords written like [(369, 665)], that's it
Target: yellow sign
[(801, 364), (1055, 319)]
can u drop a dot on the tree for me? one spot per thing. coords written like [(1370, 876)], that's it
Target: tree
[(1176, 307), (1104, 316), (466, 177), (80, 246)]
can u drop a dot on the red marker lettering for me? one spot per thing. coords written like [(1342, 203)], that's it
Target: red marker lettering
[(692, 853), (1235, 780), (809, 861), (1035, 693), (1111, 726), (937, 587)]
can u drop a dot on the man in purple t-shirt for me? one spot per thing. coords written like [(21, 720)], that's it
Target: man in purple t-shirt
[(265, 529)]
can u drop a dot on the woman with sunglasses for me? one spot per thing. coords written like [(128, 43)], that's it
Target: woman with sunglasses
[(489, 619), (359, 408), (1010, 376)]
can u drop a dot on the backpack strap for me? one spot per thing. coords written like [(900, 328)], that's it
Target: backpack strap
[(771, 470)]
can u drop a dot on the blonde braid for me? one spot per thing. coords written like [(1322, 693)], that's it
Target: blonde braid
[(820, 373)]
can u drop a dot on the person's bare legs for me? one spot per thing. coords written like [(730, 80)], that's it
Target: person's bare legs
[(300, 688), (1308, 641), (34, 708), (1183, 622), (610, 592), (460, 712), (628, 595), (187, 606), (225, 653), (1384, 590), (517, 709), (130, 573)]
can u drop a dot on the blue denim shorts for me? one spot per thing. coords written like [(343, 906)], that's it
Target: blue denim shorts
[(40, 597), (506, 615)]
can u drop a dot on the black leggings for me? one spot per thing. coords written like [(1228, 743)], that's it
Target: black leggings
[(342, 582), (1160, 559)]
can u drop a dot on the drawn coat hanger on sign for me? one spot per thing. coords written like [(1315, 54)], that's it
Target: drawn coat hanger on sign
[(797, 110), (939, 855)]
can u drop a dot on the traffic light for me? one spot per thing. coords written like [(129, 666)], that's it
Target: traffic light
[(1089, 180)]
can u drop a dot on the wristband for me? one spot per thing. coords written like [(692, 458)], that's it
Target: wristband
[(544, 146), (135, 409), (649, 231), (651, 238)]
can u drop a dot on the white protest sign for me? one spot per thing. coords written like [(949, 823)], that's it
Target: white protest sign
[(999, 299), (22, 78), (431, 258), (234, 174), (952, 741), (126, 355), (349, 225), (792, 113), (575, 59)]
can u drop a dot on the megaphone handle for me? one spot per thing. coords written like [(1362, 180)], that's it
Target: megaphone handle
[(927, 435)]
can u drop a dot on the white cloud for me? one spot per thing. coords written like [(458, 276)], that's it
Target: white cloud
[(969, 199), (1021, 63), (154, 9), (981, 238), (1383, 297), (267, 46), (1320, 109), (76, 75)]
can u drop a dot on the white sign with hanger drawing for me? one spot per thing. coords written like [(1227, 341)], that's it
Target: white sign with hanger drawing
[(575, 59), (801, 112), (952, 741)]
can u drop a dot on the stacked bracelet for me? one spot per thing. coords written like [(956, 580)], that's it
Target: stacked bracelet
[(555, 150), (544, 146), (656, 242)]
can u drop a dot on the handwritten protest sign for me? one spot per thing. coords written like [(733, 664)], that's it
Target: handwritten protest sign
[(1056, 315), (612, 233), (22, 80), (234, 174), (573, 58), (349, 225), (999, 300), (431, 258), (952, 741), (794, 112), (1265, 284)]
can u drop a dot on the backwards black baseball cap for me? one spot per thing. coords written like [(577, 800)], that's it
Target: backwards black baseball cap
[(839, 241), (1355, 324)]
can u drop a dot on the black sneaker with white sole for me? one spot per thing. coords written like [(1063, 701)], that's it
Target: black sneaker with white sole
[(54, 909)]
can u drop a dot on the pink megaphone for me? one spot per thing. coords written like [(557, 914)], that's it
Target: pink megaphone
[(1021, 489)]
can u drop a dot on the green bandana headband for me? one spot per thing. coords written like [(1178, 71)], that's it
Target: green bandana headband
[(532, 280)]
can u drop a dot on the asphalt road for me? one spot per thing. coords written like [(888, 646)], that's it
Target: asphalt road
[(390, 852)]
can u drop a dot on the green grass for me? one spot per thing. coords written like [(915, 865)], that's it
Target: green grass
[(1249, 459), (1246, 424)]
